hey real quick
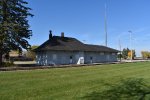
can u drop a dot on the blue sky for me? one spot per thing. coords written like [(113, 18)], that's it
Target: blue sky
[(84, 20)]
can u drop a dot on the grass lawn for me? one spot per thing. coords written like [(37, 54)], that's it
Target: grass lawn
[(67, 83)]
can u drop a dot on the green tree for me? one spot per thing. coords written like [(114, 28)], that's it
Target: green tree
[(134, 54), (14, 27), (30, 53), (125, 53)]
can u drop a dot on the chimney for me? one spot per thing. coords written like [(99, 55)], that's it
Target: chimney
[(50, 35), (62, 34)]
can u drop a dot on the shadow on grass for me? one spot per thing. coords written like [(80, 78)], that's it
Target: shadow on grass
[(129, 89)]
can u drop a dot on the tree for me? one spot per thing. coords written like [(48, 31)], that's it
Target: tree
[(30, 53), (133, 54), (145, 54), (14, 27), (125, 53)]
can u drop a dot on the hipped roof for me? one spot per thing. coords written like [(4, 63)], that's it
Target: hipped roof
[(58, 43)]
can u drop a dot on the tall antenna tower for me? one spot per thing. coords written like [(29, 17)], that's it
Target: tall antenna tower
[(105, 25)]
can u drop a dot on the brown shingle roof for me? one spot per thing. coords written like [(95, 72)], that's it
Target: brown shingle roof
[(71, 44)]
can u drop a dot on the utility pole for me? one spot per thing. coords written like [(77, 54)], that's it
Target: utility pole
[(120, 49), (131, 43), (105, 26)]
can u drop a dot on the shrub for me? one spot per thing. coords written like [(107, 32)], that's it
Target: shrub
[(7, 64)]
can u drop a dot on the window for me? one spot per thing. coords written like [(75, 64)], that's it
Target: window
[(54, 56), (71, 61), (91, 58), (102, 53), (70, 57), (113, 53)]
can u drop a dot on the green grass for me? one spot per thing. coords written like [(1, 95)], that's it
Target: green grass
[(67, 83)]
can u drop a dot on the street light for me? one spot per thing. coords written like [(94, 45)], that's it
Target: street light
[(130, 43)]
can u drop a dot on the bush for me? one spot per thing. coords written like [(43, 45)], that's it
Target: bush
[(7, 64), (20, 59)]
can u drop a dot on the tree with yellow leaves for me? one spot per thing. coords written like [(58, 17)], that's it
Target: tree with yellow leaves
[(145, 54), (133, 54)]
